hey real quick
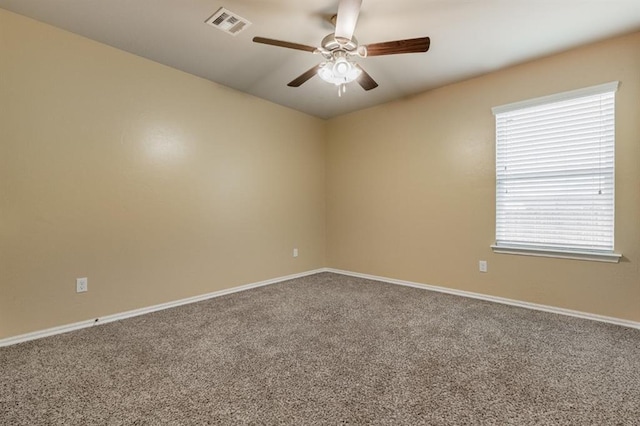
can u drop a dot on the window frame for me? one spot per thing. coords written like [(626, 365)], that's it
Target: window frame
[(536, 250)]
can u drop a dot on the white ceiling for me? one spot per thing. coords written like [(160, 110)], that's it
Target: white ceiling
[(468, 38)]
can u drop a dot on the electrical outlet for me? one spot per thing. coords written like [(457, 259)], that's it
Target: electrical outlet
[(483, 265), (295, 252), (82, 285)]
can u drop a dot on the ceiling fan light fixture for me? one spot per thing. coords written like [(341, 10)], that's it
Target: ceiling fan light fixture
[(339, 71)]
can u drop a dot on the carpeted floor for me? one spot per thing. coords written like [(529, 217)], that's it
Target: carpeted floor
[(329, 349)]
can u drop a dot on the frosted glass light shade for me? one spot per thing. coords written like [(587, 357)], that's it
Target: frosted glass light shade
[(339, 71)]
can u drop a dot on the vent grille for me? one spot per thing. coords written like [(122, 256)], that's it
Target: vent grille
[(227, 21)]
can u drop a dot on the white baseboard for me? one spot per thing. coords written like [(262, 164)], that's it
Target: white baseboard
[(502, 300), (136, 312)]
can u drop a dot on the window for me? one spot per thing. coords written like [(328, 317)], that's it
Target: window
[(555, 175)]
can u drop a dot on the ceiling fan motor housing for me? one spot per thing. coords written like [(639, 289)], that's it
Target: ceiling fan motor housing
[(331, 43)]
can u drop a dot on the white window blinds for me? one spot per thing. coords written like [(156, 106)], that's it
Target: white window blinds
[(555, 171)]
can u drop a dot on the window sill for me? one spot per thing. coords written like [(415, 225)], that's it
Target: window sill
[(562, 254)]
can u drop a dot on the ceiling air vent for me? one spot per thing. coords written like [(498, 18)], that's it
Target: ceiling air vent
[(228, 21)]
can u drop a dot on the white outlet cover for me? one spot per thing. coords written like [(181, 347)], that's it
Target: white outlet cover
[(295, 252), (82, 285), (482, 265)]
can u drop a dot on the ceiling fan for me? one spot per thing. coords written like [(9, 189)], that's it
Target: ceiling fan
[(341, 46)]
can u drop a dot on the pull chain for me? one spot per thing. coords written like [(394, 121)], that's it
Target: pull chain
[(342, 89)]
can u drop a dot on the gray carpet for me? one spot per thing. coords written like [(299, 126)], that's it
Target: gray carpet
[(329, 349)]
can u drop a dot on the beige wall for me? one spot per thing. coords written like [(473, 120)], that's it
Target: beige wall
[(155, 184), (158, 185), (411, 187)]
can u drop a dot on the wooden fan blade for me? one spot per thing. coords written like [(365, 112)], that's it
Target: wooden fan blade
[(365, 80), (286, 44), (348, 11), (304, 77), (414, 45)]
